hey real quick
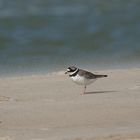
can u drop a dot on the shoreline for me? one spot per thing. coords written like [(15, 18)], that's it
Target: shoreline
[(62, 72)]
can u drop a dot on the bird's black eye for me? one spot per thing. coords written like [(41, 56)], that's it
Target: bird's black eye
[(70, 69)]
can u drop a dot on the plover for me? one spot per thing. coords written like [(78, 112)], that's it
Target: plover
[(82, 77)]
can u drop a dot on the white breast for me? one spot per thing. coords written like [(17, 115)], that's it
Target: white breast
[(80, 80)]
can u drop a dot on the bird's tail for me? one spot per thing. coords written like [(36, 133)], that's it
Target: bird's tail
[(101, 76)]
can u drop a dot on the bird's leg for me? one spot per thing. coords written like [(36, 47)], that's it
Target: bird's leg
[(84, 90)]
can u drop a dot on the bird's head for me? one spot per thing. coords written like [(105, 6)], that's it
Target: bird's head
[(71, 69)]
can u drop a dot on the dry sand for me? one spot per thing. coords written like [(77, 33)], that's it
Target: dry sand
[(50, 107)]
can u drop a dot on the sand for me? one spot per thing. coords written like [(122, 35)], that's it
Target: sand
[(50, 107)]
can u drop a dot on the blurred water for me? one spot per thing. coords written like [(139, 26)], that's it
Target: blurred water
[(45, 36)]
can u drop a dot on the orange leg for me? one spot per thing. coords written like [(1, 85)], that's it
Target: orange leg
[(84, 92)]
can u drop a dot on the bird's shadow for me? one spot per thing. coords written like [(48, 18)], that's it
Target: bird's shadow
[(101, 92)]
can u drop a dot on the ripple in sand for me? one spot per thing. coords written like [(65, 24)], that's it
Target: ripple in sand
[(6, 138), (4, 98)]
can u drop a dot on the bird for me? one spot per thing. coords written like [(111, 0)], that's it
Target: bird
[(82, 77)]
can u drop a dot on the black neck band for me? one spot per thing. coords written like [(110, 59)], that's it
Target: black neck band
[(74, 74)]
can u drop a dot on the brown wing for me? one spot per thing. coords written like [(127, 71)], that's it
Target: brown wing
[(90, 75), (87, 74)]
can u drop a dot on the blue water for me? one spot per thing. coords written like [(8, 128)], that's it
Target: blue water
[(48, 35)]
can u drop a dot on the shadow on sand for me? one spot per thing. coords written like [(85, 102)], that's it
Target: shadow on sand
[(100, 92)]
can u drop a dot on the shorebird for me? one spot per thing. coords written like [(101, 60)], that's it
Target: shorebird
[(82, 77)]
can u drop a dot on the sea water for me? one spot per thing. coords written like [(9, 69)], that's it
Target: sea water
[(41, 36)]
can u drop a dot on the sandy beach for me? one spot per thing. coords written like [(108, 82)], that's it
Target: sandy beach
[(50, 107)]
